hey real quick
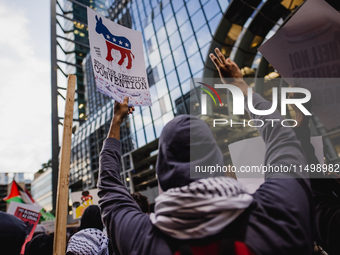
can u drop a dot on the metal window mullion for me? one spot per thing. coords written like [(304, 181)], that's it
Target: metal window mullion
[(172, 56), (70, 19), (159, 52), (54, 104), (143, 38), (191, 74), (78, 3), (79, 43), (62, 71), (64, 31), (65, 52), (142, 31), (186, 56), (206, 22), (133, 120), (68, 63), (219, 5)]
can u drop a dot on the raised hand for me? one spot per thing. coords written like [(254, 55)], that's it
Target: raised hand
[(122, 110), (225, 66), (229, 71)]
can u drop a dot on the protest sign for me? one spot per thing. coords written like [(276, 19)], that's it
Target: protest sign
[(49, 225), (29, 214), (83, 199), (250, 153), (306, 52), (118, 60)]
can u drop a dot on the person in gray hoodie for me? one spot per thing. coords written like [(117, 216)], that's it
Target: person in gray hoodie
[(203, 213)]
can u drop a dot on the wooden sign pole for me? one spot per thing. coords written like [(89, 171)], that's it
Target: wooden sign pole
[(64, 172)]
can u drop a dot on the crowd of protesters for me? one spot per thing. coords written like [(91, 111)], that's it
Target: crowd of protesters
[(88, 240), (290, 213)]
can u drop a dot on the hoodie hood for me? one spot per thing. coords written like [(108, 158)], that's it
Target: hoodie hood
[(186, 142), (91, 218)]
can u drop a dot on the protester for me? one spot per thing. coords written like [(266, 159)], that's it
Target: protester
[(326, 191), (213, 215), (91, 218), (327, 201), (13, 232), (89, 241), (41, 244), (142, 202)]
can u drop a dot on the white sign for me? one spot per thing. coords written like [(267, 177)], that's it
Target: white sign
[(29, 214), (306, 52), (118, 60), (14, 205), (49, 225), (83, 199), (250, 152)]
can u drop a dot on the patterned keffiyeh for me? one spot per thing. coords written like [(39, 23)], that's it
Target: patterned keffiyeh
[(89, 241), (200, 209)]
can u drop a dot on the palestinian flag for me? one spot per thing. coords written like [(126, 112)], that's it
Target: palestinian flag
[(17, 194), (46, 215)]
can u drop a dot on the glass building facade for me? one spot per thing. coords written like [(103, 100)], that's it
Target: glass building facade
[(41, 189), (76, 31), (177, 39)]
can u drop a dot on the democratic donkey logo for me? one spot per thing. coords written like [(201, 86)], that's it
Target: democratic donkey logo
[(119, 43)]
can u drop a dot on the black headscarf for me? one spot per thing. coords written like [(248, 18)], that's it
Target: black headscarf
[(91, 218), (186, 142)]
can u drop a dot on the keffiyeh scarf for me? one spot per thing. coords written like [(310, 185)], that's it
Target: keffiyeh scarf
[(89, 241), (200, 209)]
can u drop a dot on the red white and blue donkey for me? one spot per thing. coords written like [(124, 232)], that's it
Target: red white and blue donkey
[(120, 43)]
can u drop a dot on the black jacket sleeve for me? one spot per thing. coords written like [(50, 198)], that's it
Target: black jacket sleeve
[(327, 213), (326, 197), (129, 229), (282, 219)]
